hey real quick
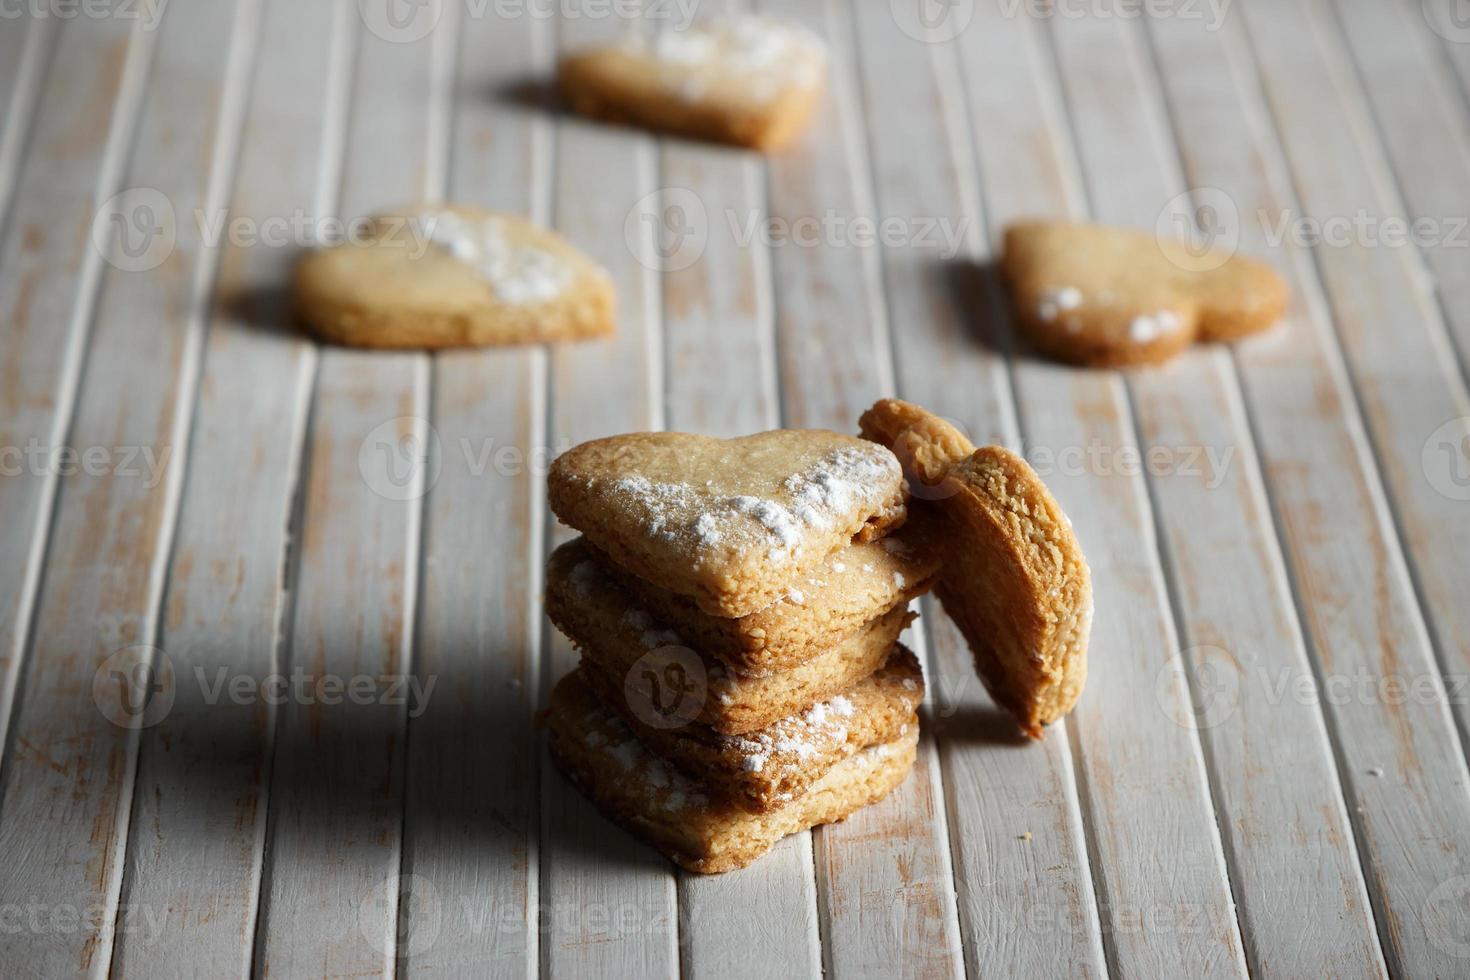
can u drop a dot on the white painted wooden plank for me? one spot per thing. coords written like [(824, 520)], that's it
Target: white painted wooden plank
[(1456, 35), (1406, 378), (1448, 24), (470, 836), (200, 810), (334, 889), (24, 52), (1425, 132), (1403, 773), (761, 921), (884, 876), (1156, 854), (48, 275), (1270, 759), (609, 904), (68, 783), (1026, 904)]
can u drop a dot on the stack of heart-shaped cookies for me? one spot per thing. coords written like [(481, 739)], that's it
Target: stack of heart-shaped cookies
[(737, 605)]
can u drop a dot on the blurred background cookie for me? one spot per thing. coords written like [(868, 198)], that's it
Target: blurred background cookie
[(453, 276), (747, 80), (1114, 297)]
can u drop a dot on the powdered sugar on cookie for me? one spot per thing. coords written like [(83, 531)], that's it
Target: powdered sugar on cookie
[(1146, 328), (791, 742), (1058, 300), (844, 482), (518, 274), (755, 55)]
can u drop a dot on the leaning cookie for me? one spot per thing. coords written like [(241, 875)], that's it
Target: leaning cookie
[(650, 798), (746, 80), (441, 276), (1013, 577), (1114, 297)]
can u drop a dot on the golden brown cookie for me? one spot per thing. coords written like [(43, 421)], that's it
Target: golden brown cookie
[(1115, 297), (765, 769), (675, 683), (735, 524), (844, 594), (653, 800), (439, 276), (746, 80), (1013, 576)]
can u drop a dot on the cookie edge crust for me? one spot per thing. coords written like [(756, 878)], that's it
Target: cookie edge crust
[(585, 310), (858, 781), (1197, 323), (1062, 599), (767, 128), (746, 647), (690, 751)]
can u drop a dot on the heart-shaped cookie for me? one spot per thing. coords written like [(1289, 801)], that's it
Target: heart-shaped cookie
[(732, 523), (746, 79), (1114, 297), (452, 276), (1012, 575)]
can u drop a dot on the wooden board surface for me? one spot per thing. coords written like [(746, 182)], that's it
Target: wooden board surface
[(1267, 773)]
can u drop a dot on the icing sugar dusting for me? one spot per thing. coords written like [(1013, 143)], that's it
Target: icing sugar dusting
[(584, 575), (1146, 328), (843, 483), (627, 754), (662, 785), (707, 530), (1056, 300), (760, 55), (786, 744), (773, 516), (519, 274)]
